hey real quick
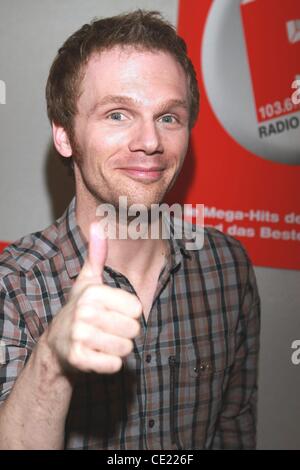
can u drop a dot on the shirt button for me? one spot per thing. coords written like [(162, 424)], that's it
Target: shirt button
[(151, 423), (148, 358)]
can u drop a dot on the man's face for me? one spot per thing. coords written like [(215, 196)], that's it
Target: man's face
[(131, 129)]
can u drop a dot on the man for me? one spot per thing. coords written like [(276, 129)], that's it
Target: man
[(125, 343)]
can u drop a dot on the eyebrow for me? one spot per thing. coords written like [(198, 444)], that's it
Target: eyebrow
[(126, 100)]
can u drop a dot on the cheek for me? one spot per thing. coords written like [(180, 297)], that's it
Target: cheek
[(177, 149), (106, 143)]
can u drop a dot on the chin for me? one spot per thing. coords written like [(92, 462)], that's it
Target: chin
[(145, 201)]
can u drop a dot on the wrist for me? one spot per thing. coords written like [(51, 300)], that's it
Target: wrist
[(50, 362)]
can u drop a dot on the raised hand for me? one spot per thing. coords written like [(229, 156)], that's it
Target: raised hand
[(95, 329)]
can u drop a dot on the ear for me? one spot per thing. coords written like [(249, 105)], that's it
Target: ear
[(61, 141)]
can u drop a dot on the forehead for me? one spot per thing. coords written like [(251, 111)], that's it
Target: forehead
[(141, 74)]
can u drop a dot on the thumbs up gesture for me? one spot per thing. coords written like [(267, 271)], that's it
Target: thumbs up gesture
[(94, 330)]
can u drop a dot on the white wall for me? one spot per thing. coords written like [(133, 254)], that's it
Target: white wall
[(33, 188)]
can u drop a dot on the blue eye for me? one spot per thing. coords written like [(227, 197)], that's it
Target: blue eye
[(116, 116), (168, 119)]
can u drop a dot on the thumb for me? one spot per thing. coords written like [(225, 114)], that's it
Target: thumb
[(97, 252)]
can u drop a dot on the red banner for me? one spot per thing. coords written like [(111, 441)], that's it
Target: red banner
[(3, 245), (244, 159)]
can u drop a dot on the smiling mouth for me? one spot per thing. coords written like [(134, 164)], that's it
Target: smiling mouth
[(143, 174)]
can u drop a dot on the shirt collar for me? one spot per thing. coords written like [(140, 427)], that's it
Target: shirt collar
[(74, 245), (72, 241), (177, 243)]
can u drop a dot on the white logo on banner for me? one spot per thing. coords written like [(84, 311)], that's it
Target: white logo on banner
[(229, 88), (296, 94), (293, 30)]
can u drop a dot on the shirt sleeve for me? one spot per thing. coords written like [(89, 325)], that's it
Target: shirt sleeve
[(236, 427), (16, 342)]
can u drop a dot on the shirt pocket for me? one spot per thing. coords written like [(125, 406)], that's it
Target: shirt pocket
[(207, 358), (198, 382)]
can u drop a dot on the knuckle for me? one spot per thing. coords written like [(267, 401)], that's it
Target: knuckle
[(108, 365), (73, 357), (90, 292), (137, 306), (112, 321), (135, 328), (85, 311), (77, 315), (77, 332), (115, 364), (126, 347)]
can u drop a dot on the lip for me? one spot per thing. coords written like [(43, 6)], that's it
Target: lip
[(143, 173)]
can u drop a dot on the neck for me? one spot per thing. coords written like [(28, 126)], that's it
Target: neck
[(130, 257)]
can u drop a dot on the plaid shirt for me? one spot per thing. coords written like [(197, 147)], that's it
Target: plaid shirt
[(191, 380)]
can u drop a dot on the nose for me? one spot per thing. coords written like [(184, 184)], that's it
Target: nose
[(146, 138)]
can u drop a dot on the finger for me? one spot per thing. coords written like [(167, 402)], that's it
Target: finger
[(96, 339), (111, 299), (87, 360), (97, 249), (110, 322), (97, 253)]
